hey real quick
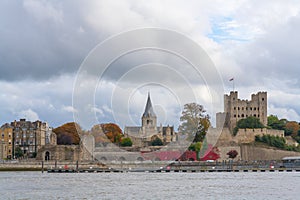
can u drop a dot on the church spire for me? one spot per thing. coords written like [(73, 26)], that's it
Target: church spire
[(149, 109)]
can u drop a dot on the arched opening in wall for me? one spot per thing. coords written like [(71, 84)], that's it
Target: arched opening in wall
[(157, 159), (242, 115), (103, 158), (47, 155), (122, 158), (140, 159)]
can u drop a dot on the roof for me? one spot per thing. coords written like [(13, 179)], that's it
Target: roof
[(149, 109)]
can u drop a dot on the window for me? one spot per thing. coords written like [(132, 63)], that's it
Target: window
[(263, 99), (242, 108), (2, 135), (234, 108), (254, 108), (238, 108), (254, 115), (242, 115), (234, 115)]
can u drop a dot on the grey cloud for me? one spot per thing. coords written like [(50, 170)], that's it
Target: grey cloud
[(36, 47)]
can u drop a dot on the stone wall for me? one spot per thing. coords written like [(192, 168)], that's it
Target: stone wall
[(251, 153), (61, 152), (242, 136)]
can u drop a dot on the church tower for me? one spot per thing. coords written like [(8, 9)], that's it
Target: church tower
[(149, 117)]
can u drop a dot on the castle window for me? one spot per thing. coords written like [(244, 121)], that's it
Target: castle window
[(238, 108), (254, 115), (246, 108), (234, 115), (246, 115), (254, 108), (250, 108), (242, 115), (258, 108), (242, 108), (238, 115), (258, 115), (234, 108), (263, 99)]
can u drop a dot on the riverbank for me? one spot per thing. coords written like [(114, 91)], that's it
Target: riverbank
[(145, 166)]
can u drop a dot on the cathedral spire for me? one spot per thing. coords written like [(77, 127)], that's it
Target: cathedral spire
[(149, 109)]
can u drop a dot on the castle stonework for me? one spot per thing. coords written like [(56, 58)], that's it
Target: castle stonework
[(236, 109)]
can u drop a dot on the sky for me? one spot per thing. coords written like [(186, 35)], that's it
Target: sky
[(47, 47)]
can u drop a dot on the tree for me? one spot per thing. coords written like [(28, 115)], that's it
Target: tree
[(126, 142), (194, 122), (249, 122), (275, 123), (113, 132), (18, 152), (157, 142), (291, 128), (232, 154), (68, 134)]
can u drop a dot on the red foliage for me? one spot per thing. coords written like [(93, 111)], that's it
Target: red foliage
[(232, 154)]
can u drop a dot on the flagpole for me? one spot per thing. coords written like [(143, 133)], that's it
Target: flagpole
[(232, 79)]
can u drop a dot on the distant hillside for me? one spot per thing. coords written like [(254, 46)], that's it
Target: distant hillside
[(67, 134)]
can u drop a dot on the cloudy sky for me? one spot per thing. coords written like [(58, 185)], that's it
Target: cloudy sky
[(43, 46)]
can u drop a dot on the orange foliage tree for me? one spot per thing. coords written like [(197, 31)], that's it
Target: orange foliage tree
[(68, 134), (292, 127), (113, 132)]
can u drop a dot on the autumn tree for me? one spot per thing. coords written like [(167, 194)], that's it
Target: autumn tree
[(292, 128), (113, 132), (68, 134), (194, 122)]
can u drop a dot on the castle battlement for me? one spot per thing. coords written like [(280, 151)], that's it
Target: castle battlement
[(236, 109)]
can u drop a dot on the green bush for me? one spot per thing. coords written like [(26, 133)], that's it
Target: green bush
[(276, 141), (157, 142), (126, 142)]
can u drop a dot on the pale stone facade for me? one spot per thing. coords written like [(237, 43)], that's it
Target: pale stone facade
[(142, 136), (236, 109)]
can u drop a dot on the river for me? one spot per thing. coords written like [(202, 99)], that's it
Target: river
[(142, 185)]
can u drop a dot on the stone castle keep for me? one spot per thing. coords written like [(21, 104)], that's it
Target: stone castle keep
[(236, 109)]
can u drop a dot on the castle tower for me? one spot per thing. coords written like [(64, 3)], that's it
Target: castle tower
[(149, 117), (236, 109)]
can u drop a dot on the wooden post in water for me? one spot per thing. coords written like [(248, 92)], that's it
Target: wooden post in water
[(77, 166), (42, 166)]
